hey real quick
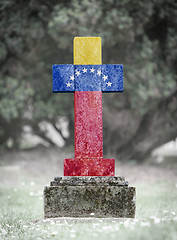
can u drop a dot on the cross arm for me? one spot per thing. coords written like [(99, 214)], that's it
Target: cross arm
[(63, 78), (105, 78), (112, 78)]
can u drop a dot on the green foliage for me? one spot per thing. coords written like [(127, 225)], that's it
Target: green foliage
[(36, 34), (15, 95)]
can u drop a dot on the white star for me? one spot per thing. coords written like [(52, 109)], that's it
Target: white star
[(109, 84), (92, 70), (99, 72), (72, 78), (68, 84), (77, 73), (105, 77), (84, 70)]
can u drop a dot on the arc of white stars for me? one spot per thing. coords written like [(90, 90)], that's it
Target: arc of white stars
[(105, 78), (109, 84), (68, 84), (77, 73), (72, 78), (99, 72), (84, 70), (92, 70)]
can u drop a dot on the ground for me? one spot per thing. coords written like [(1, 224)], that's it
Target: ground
[(24, 174)]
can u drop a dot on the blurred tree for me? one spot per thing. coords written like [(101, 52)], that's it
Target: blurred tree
[(140, 34)]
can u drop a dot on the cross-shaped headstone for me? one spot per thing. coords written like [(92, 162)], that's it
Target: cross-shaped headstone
[(88, 78)]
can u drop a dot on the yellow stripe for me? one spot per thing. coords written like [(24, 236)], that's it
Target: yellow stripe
[(87, 50)]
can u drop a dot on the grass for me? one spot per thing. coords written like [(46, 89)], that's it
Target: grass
[(21, 216), (21, 206)]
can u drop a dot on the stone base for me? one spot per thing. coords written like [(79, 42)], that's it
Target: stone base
[(89, 197)]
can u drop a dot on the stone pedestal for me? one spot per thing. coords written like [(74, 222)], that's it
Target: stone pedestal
[(89, 197)]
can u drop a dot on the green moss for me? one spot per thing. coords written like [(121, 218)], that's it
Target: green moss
[(80, 201)]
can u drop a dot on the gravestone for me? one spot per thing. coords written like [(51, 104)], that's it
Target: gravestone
[(89, 187)]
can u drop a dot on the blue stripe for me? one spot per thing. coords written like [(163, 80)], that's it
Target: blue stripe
[(70, 78)]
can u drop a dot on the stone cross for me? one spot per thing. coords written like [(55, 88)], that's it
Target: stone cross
[(88, 78), (88, 187)]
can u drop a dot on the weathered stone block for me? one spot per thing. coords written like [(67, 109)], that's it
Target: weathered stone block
[(89, 197)]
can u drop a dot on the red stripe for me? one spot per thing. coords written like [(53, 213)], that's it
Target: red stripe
[(88, 124), (89, 167)]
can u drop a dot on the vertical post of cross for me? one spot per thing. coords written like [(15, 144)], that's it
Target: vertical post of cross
[(88, 104), (88, 116)]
